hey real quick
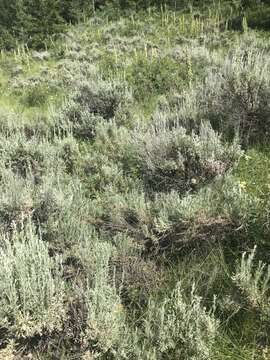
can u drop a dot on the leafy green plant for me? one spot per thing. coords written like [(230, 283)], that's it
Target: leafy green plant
[(155, 76)]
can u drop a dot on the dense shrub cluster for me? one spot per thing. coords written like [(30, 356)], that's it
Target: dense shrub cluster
[(32, 290), (172, 159), (93, 102), (128, 188), (34, 22), (237, 96), (233, 97)]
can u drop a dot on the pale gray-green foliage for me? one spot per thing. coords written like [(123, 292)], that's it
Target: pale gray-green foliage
[(175, 327), (210, 215), (51, 204), (109, 215), (87, 242), (16, 198), (235, 98), (94, 101), (9, 121), (31, 157), (194, 52), (124, 212), (72, 73), (223, 200), (179, 110), (35, 90), (178, 328), (38, 156), (222, 207), (111, 165), (253, 278), (31, 285), (105, 319), (175, 159)]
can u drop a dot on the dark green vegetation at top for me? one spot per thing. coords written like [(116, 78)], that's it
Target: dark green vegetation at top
[(37, 22), (134, 182)]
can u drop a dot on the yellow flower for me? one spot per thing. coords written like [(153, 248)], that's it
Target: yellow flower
[(243, 185), (118, 308)]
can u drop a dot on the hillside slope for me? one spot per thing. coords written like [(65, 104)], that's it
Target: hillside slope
[(134, 206)]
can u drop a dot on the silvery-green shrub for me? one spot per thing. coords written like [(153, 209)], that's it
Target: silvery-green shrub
[(93, 102), (178, 328), (236, 97), (173, 159), (254, 281), (31, 285)]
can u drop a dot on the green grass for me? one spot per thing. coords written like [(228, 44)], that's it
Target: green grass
[(27, 101), (123, 243), (254, 172)]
